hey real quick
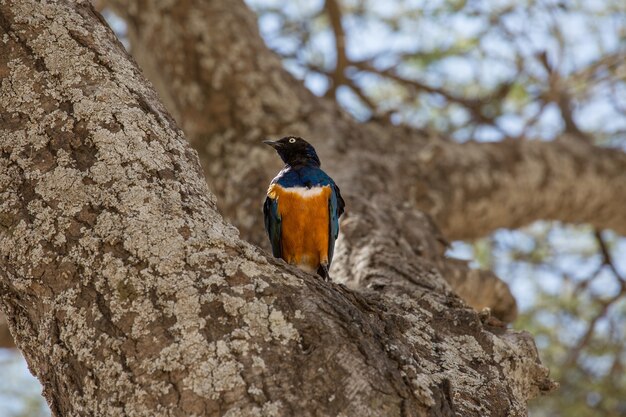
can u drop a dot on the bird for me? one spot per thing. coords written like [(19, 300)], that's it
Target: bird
[(302, 208)]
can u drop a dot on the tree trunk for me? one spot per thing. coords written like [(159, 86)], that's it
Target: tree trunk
[(129, 295), (229, 92)]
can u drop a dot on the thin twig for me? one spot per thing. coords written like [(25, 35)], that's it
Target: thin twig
[(607, 260), (573, 355), (333, 10)]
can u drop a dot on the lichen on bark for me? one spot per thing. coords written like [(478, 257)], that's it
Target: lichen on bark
[(130, 295)]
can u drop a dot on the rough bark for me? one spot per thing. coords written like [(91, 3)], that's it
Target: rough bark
[(236, 93), (229, 91), (129, 295)]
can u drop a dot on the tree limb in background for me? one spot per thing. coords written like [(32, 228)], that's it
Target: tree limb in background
[(512, 183)]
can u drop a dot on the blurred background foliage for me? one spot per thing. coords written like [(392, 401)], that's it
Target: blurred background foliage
[(484, 69), (480, 70)]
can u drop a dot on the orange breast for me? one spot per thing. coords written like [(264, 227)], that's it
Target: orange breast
[(305, 224)]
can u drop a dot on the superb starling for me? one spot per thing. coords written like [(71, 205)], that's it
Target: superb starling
[(302, 208)]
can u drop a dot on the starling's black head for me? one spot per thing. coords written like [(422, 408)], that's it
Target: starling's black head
[(295, 151)]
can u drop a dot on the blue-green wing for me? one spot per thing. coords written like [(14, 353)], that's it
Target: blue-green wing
[(335, 207), (272, 225)]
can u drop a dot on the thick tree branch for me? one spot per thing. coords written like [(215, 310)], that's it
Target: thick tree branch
[(241, 95), (512, 183), (363, 259), (129, 295), (468, 197)]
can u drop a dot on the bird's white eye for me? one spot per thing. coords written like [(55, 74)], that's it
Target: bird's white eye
[(292, 140)]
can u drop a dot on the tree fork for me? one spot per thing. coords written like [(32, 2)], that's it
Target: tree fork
[(128, 293)]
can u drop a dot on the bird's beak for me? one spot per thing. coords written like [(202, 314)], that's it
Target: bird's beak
[(273, 143)]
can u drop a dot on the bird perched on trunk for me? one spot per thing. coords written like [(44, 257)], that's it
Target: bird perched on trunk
[(302, 208)]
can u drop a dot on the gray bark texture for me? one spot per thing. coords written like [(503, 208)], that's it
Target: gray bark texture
[(228, 92), (130, 295)]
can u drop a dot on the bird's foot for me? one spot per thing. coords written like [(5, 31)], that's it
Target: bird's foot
[(322, 271)]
